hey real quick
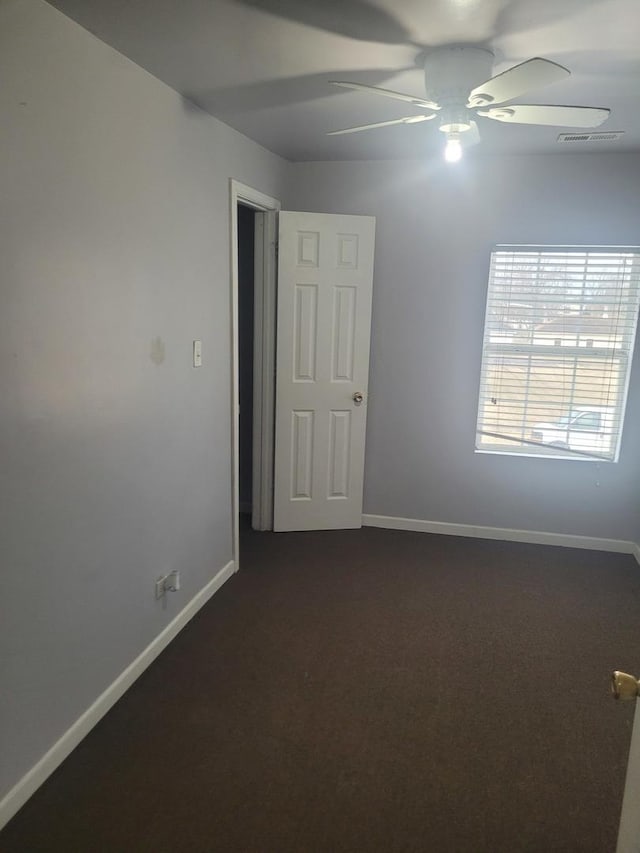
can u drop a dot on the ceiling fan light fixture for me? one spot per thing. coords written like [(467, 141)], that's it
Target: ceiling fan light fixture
[(455, 120), (453, 148)]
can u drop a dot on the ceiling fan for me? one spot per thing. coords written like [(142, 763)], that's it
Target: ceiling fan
[(451, 74)]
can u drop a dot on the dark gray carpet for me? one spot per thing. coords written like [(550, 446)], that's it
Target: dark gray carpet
[(368, 690)]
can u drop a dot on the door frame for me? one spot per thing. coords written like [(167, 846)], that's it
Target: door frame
[(265, 276)]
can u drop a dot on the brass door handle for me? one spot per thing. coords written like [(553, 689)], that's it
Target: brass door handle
[(358, 397), (624, 686)]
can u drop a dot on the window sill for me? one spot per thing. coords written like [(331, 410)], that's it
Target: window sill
[(529, 454)]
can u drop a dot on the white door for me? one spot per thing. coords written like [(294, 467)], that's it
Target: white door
[(629, 832), (325, 276)]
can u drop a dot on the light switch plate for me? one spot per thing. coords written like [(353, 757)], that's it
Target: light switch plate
[(197, 353)]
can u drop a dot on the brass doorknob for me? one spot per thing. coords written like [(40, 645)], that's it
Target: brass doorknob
[(358, 397), (624, 686)]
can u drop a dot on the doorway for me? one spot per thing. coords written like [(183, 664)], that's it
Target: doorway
[(246, 288), (311, 476), (253, 315)]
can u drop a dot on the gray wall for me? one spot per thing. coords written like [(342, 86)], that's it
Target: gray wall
[(435, 229), (114, 256)]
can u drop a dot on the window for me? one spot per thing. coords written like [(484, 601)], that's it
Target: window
[(558, 340)]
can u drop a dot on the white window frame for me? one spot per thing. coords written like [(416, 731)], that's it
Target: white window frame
[(521, 446)]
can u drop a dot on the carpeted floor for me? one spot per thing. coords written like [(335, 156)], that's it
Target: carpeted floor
[(368, 690)]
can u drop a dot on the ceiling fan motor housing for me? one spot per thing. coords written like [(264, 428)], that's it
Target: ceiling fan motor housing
[(450, 73)]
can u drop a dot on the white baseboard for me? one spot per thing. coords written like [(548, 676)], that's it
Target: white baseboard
[(535, 537), (32, 780)]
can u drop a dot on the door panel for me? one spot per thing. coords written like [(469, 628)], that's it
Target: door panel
[(325, 277), (629, 832)]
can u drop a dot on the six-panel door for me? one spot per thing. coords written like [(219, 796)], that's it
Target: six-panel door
[(325, 276)]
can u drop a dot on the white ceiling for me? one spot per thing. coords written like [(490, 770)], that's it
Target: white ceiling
[(264, 66)]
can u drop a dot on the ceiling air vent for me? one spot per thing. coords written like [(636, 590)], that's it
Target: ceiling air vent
[(602, 136)]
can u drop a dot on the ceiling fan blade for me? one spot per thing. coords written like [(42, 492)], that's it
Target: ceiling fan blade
[(356, 19), (388, 93), (515, 81), (558, 116), (407, 120)]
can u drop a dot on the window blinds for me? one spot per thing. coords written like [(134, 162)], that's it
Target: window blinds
[(559, 333)]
